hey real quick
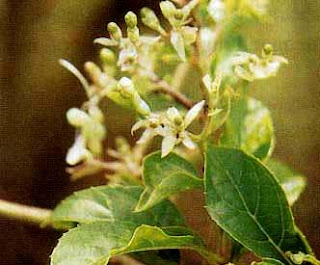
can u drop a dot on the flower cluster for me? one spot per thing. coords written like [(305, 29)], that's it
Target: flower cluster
[(91, 131), (172, 126), (128, 74), (251, 67), (219, 10)]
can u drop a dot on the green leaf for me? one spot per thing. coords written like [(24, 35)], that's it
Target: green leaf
[(96, 243), (246, 200), (164, 177), (112, 204), (249, 128), (292, 182)]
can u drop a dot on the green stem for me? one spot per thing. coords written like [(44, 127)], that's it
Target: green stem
[(212, 258), (28, 214), (311, 259)]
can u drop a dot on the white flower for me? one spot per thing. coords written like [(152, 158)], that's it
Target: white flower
[(217, 10), (153, 124), (78, 152), (250, 67), (171, 126), (90, 126), (175, 130)]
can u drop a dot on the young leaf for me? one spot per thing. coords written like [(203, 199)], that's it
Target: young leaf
[(246, 200), (96, 243), (112, 204), (164, 177), (249, 128), (292, 182)]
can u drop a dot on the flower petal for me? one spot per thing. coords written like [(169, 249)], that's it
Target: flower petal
[(168, 144), (77, 152), (207, 81), (178, 44), (193, 112), (147, 135), (138, 125), (187, 142), (106, 41)]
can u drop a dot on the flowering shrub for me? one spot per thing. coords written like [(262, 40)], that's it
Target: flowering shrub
[(215, 138)]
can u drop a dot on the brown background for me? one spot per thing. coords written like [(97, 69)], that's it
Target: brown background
[(35, 92)]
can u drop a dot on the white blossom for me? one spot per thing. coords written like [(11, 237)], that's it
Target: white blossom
[(251, 67)]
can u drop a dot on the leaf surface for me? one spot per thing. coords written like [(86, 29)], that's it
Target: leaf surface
[(96, 243), (249, 128), (164, 177), (246, 200), (112, 204)]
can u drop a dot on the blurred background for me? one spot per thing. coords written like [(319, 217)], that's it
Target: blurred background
[(35, 93)]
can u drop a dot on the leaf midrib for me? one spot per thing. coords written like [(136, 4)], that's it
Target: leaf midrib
[(253, 217)]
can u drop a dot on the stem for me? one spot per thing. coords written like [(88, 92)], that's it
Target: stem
[(28, 214), (165, 88), (311, 259), (212, 258)]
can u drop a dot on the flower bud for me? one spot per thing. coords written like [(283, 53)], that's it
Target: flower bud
[(168, 9), (141, 106), (115, 31), (126, 87), (297, 258), (131, 19), (178, 14), (133, 34), (267, 50), (96, 114), (150, 19), (107, 56), (77, 117), (93, 70)]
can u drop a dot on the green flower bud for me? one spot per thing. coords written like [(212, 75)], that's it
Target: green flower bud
[(77, 117), (178, 14), (150, 19), (140, 105), (126, 87), (133, 34), (297, 258), (131, 19), (267, 50), (93, 70), (168, 9), (115, 31), (107, 56), (96, 114)]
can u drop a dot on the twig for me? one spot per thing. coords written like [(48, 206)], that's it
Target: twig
[(164, 87), (28, 214)]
